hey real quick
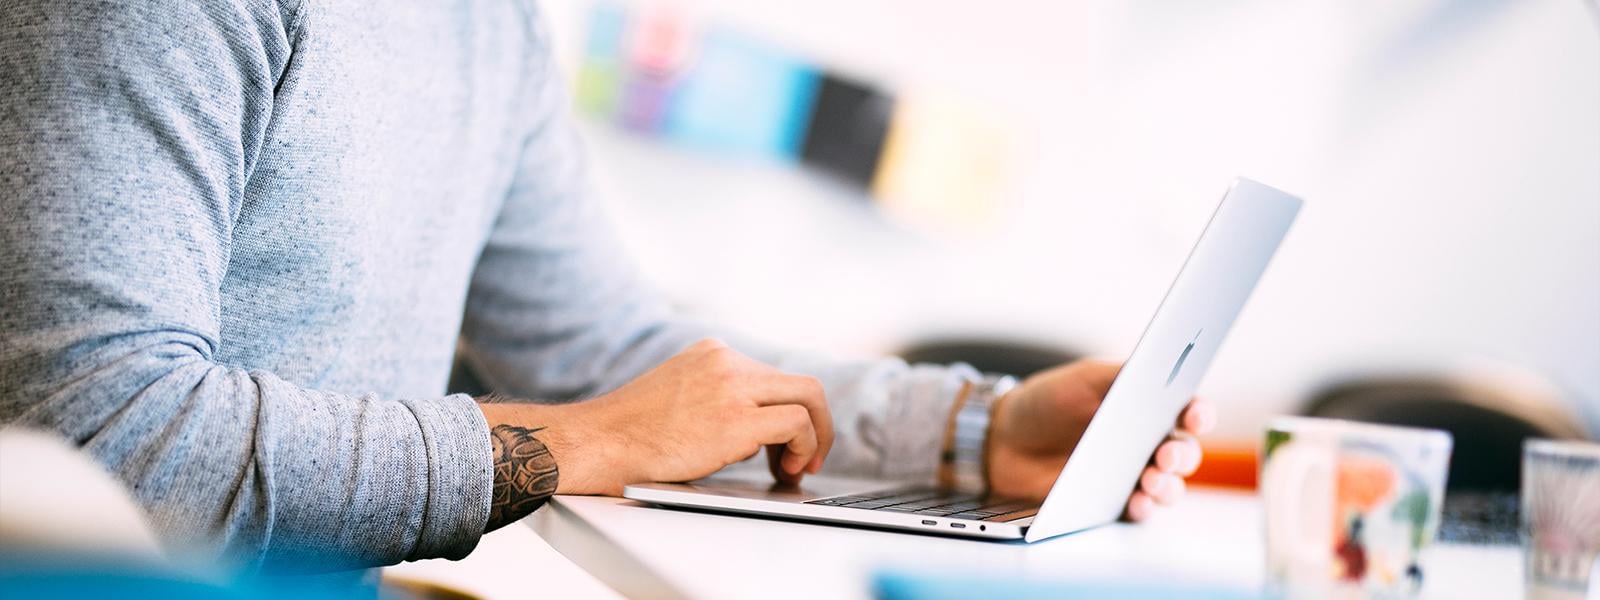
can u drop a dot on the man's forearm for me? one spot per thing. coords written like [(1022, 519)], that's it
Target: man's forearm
[(529, 443)]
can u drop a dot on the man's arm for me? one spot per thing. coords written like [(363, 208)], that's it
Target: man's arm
[(704, 409), (557, 311), (127, 130)]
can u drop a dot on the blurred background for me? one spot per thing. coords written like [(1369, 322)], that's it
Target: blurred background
[(955, 181)]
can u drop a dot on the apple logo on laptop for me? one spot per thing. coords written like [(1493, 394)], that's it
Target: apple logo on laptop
[(1178, 366)]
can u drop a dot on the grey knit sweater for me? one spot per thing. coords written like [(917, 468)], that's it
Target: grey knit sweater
[(241, 240)]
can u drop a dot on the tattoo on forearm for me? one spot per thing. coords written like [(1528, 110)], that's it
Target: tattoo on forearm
[(524, 474)]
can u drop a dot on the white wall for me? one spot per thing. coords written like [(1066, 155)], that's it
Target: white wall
[(1449, 152)]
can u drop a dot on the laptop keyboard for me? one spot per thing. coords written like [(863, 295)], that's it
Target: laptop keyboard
[(936, 502), (1480, 517)]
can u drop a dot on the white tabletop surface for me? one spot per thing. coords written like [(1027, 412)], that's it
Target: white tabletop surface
[(1212, 538), (512, 562)]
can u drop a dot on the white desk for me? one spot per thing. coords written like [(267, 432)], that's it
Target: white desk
[(510, 563), (1213, 537)]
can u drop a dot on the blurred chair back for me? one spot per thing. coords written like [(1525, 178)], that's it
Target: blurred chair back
[(1489, 419), (989, 356), (463, 379)]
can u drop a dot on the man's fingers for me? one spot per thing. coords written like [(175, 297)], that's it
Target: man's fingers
[(807, 392), (788, 425), (1176, 488), (1140, 506), (1199, 417), (1164, 488), (775, 456), (1155, 488), (768, 387), (1179, 456)]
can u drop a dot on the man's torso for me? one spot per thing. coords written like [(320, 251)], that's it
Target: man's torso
[(393, 137)]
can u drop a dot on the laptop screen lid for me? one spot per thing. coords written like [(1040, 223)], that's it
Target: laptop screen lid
[(1156, 382)]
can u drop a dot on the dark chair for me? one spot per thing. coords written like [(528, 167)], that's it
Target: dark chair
[(989, 356), (1489, 422)]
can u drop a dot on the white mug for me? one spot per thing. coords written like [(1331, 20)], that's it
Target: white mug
[(1350, 507)]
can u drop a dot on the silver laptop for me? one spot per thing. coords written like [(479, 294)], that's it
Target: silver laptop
[(1137, 414)]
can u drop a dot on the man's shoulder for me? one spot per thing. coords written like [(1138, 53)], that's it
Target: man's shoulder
[(153, 23)]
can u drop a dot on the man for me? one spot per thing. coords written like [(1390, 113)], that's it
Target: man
[(243, 240)]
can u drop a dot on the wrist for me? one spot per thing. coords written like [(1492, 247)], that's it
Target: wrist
[(996, 431), (579, 449), (964, 462)]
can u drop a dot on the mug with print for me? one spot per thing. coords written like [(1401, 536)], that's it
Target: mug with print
[(1350, 507)]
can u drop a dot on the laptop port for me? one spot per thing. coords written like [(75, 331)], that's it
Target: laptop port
[(928, 522), (959, 525)]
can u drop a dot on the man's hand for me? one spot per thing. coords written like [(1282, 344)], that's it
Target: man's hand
[(1036, 426), (704, 409)]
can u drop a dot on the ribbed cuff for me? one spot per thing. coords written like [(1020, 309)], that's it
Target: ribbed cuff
[(460, 476)]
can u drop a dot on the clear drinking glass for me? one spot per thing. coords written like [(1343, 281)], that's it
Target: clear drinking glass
[(1561, 519)]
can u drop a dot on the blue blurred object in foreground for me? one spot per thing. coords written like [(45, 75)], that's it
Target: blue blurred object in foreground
[(59, 577), (896, 585)]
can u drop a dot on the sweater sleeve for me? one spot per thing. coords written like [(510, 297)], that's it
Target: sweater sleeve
[(127, 132), (557, 312)]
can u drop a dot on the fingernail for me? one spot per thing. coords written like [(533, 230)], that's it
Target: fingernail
[(1180, 458), (1139, 508)]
